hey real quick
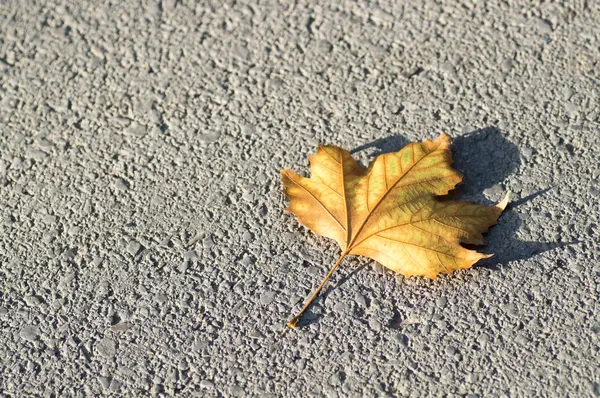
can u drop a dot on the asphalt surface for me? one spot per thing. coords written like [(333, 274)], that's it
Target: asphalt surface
[(144, 249)]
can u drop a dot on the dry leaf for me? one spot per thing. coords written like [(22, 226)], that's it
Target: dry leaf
[(388, 212)]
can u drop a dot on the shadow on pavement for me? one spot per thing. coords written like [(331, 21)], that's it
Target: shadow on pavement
[(486, 158)]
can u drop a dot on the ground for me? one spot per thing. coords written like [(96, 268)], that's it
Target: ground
[(144, 247)]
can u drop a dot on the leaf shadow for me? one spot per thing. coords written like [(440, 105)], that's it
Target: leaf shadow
[(311, 317), (486, 158), (506, 246)]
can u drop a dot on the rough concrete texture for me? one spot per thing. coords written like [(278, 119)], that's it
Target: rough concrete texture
[(144, 248)]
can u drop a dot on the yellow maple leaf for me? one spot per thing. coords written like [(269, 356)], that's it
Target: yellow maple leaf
[(388, 212)]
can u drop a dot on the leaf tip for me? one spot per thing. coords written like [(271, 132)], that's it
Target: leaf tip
[(502, 205), (444, 139)]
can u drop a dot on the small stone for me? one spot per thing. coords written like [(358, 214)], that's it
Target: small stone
[(36, 154), (575, 267), (29, 333), (401, 339), (183, 266), (206, 384), (247, 260), (467, 129), (183, 365), (209, 136), (134, 247), (360, 300), (121, 327), (381, 17), (166, 242), (274, 83), (442, 301), (451, 350), (447, 67), (571, 109), (32, 301), (336, 379), (126, 372), (242, 312), (69, 254), (248, 129), (509, 309), (374, 324), (45, 144), (135, 130), (208, 242), (255, 334), (161, 298), (191, 255), (107, 347), (522, 339), (408, 74), (242, 91), (16, 163), (568, 93), (248, 196), (200, 345), (507, 64), (483, 339), (324, 47), (563, 149), (115, 385), (543, 25), (104, 382), (49, 219), (66, 280), (240, 52), (379, 268), (3, 311), (73, 231), (527, 153), (267, 297), (493, 192), (340, 307), (121, 185), (313, 271)]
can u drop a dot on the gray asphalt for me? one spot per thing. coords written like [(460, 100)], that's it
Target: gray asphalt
[(144, 249)]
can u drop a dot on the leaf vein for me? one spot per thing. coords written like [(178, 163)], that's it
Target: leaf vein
[(318, 201)]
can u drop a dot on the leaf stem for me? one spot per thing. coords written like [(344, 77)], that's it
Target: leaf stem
[(294, 321)]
